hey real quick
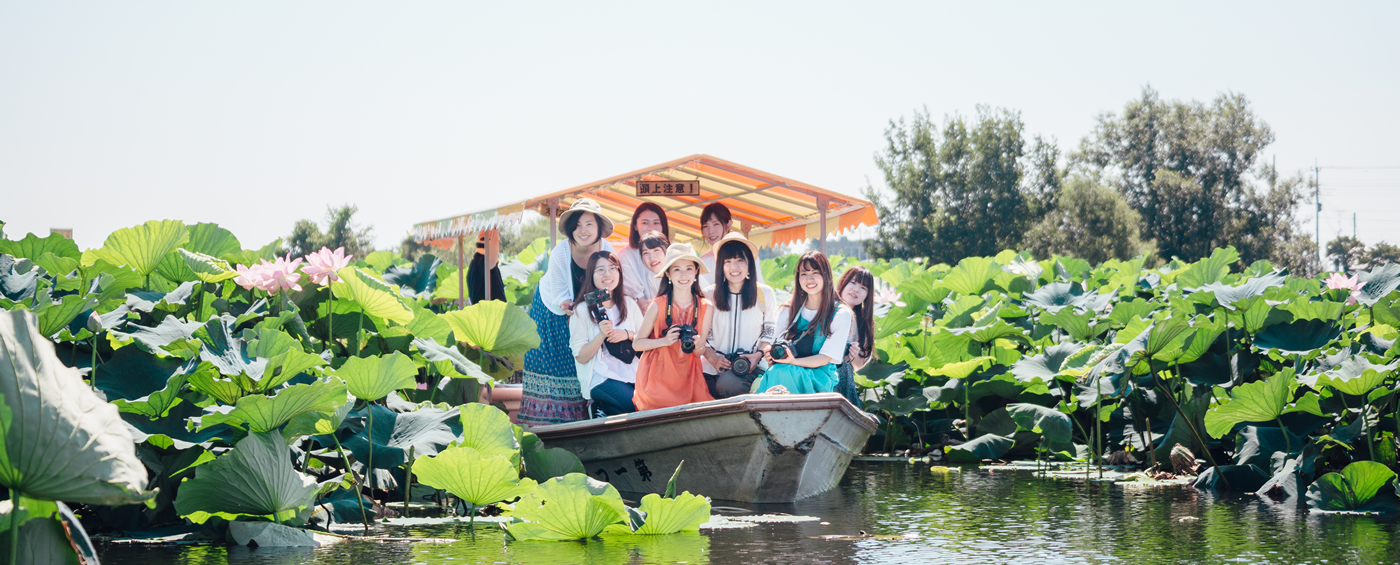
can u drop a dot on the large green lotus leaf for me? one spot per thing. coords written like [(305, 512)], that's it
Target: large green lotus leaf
[(1227, 296), (55, 265), (1353, 489), (973, 276), (153, 340), (141, 247), (1259, 401), (374, 296), (267, 413), (428, 325), (259, 360), (42, 539), (1256, 446), (425, 431), (1203, 337), (256, 478), (544, 464), (962, 369), (447, 357), (1166, 335), (571, 507), (902, 406), (1239, 478), (472, 476), (251, 256), (317, 423), (381, 260), (1356, 376), (684, 513), (1208, 270), (500, 328), (1179, 432), (489, 431), (1045, 366), (989, 446), (1081, 326), (158, 403), (58, 440), (416, 279), (169, 300), (373, 378), (1125, 311), (56, 317), (19, 280), (207, 243), (1297, 337), (32, 247), (992, 332), (1048, 422), (958, 313), (1375, 283), (1305, 309)]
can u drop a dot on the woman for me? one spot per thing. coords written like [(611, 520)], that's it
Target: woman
[(816, 326), (744, 321), (600, 336), (857, 292), (653, 256), (551, 392), (647, 218), (715, 222), (669, 375)]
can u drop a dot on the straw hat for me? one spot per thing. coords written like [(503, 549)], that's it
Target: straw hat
[(681, 252), (588, 205), (739, 237)]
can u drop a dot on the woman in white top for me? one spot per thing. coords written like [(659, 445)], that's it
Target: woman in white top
[(715, 222), (744, 321), (601, 334), (637, 268), (815, 328), (551, 392), (857, 291)]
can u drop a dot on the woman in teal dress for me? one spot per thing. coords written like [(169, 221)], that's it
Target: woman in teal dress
[(817, 326)]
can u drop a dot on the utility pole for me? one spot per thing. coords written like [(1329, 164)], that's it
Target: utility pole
[(1353, 225), (1317, 197)]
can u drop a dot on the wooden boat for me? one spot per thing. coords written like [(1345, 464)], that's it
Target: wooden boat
[(750, 448)]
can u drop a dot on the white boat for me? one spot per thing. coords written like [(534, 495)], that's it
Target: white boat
[(750, 448)]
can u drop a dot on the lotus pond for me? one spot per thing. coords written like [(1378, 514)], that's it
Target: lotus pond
[(933, 515)]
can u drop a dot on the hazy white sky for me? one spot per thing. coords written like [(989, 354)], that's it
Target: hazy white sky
[(255, 114)]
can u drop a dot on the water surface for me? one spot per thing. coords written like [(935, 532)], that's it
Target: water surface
[(969, 516)]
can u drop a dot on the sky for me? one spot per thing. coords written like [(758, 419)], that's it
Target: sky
[(256, 114)]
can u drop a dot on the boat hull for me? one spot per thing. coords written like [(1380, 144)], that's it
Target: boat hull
[(751, 448)]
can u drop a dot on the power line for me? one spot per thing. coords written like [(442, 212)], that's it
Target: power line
[(1375, 167)]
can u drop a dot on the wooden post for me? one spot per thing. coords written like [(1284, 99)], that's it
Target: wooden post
[(553, 222), (746, 226), (461, 271), (493, 248), (822, 204)]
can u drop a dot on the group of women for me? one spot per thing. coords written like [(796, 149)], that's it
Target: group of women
[(655, 325)]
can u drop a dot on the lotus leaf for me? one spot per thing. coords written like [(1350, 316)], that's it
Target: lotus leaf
[(1081, 326), (1179, 433), (1356, 376), (544, 464), (962, 369), (425, 431), (571, 507), (992, 332), (489, 431), (1227, 295), (207, 242), (204, 267), (1375, 283), (1045, 366), (374, 296), (1256, 446), (250, 256), (317, 423), (1304, 309), (155, 339), (1048, 422), (958, 313), (1208, 270), (41, 398), (500, 328), (417, 279), (33, 247), (449, 358), (974, 276), (58, 315), (255, 479), (1240, 478), (1260, 401), (373, 378), (42, 538), (663, 516), (19, 280), (427, 325), (1355, 488), (148, 301), (267, 413), (381, 260), (1298, 337), (141, 247), (988, 446), (472, 476)]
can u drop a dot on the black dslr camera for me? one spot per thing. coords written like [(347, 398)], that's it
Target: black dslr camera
[(741, 365), (595, 301), (781, 350), (687, 337)]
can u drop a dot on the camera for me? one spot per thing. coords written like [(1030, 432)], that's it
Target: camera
[(781, 350), (595, 301), (687, 337), (741, 365)]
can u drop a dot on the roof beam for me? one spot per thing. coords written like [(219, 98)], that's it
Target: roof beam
[(722, 180)]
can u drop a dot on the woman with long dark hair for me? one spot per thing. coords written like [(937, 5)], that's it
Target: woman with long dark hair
[(551, 392), (670, 373), (815, 328), (744, 322), (649, 217), (857, 291), (601, 333)]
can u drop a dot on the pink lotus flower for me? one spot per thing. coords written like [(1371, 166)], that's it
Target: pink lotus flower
[(887, 296), (283, 275), (251, 277), (1352, 283), (322, 265)]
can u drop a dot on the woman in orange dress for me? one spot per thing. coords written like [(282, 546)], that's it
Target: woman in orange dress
[(668, 374)]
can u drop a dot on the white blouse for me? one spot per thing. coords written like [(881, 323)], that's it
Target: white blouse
[(835, 345), (603, 365), (740, 329), (557, 284), (637, 281)]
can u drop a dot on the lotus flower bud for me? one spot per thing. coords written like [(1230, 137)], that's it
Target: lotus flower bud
[(94, 322)]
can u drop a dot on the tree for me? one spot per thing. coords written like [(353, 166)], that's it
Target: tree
[(1092, 222), (1346, 253), (1382, 253), (341, 231), (1190, 169), (960, 194)]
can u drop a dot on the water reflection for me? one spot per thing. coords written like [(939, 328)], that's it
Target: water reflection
[(950, 517)]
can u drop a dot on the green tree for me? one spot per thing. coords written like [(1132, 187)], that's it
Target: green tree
[(962, 192), (1190, 170), (1382, 253), (1346, 253), (1092, 222), (341, 231)]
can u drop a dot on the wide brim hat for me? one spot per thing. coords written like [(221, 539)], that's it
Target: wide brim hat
[(681, 252), (589, 205), (739, 237)]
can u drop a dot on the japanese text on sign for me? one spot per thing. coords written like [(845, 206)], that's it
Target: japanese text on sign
[(668, 188)]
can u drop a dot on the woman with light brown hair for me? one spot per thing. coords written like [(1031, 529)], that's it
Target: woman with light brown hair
[(814, 327)]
